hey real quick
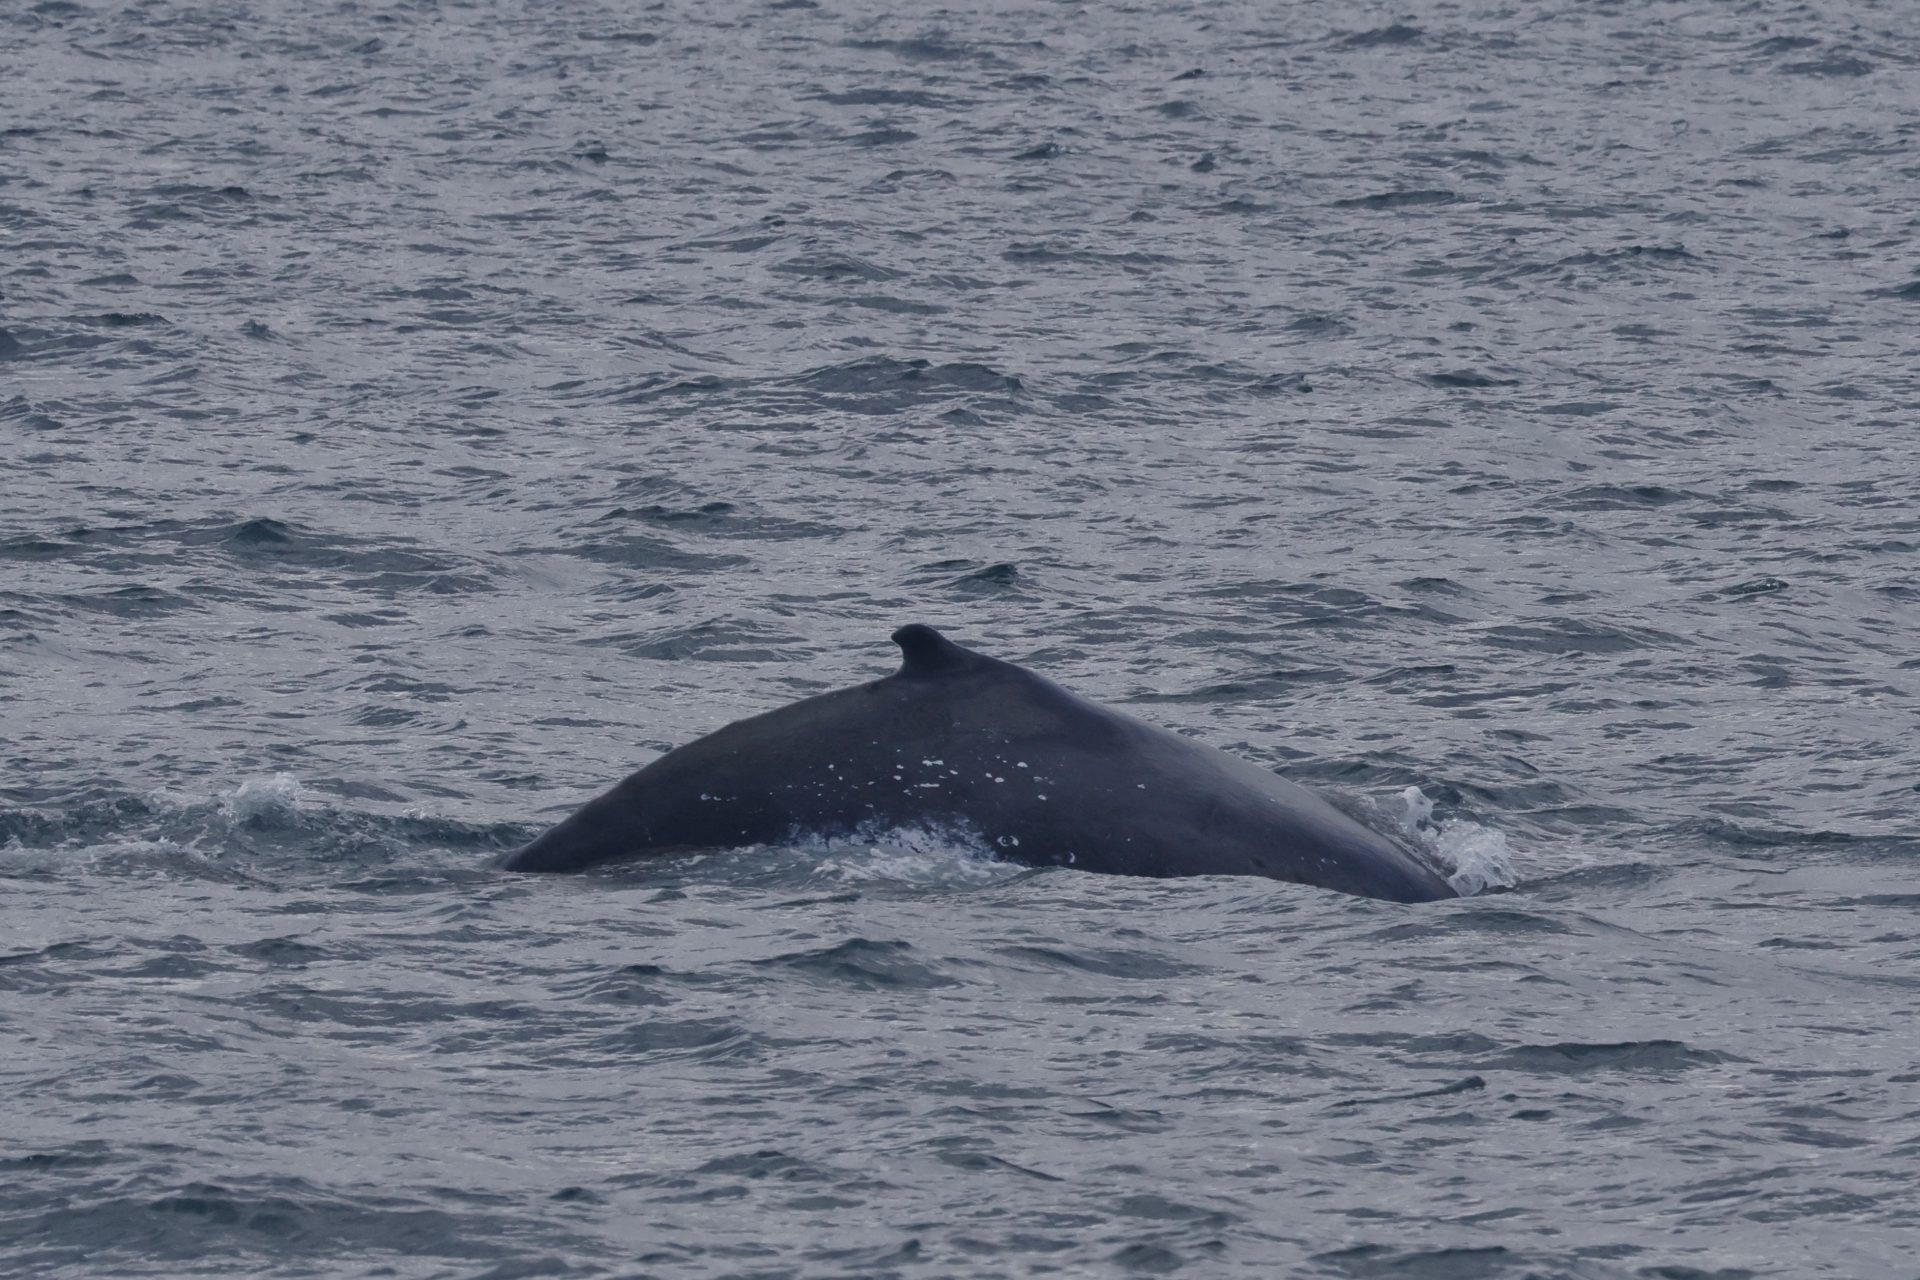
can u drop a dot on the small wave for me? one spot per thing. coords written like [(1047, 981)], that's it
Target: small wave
[(833, 266), (1400, 33), (864, 963), (720, 639), (1001, 577), (1656, 1057), (134, 858), (182, 1223), (932, 48), (883, 384), (1392, 200), (1106, 962), (883, 98), (259, 829)]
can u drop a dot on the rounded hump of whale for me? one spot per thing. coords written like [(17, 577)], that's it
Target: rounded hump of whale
[(1041, 774)]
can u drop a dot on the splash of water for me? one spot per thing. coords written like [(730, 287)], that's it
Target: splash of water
[(1480, 857)]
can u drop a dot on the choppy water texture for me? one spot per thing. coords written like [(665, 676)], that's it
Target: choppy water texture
[(415, 416)]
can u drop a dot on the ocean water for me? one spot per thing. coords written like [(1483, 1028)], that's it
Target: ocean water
[(415, 416)]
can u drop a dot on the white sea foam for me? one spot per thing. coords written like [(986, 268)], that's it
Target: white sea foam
[(934, 854), (268, 801), (1480, 857)]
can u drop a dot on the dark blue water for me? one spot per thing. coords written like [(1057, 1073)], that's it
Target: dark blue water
[(416, 416)]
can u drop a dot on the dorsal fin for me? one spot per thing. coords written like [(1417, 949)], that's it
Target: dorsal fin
[(927, 652)]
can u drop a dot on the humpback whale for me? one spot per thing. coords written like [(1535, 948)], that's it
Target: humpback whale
[(956, 741)]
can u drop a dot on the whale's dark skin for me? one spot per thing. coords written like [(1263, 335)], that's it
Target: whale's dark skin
[(959, 741)]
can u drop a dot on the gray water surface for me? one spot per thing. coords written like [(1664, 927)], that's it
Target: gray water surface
[(416, 416)]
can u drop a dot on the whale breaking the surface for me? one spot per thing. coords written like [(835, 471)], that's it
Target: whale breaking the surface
[(958, 741)]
